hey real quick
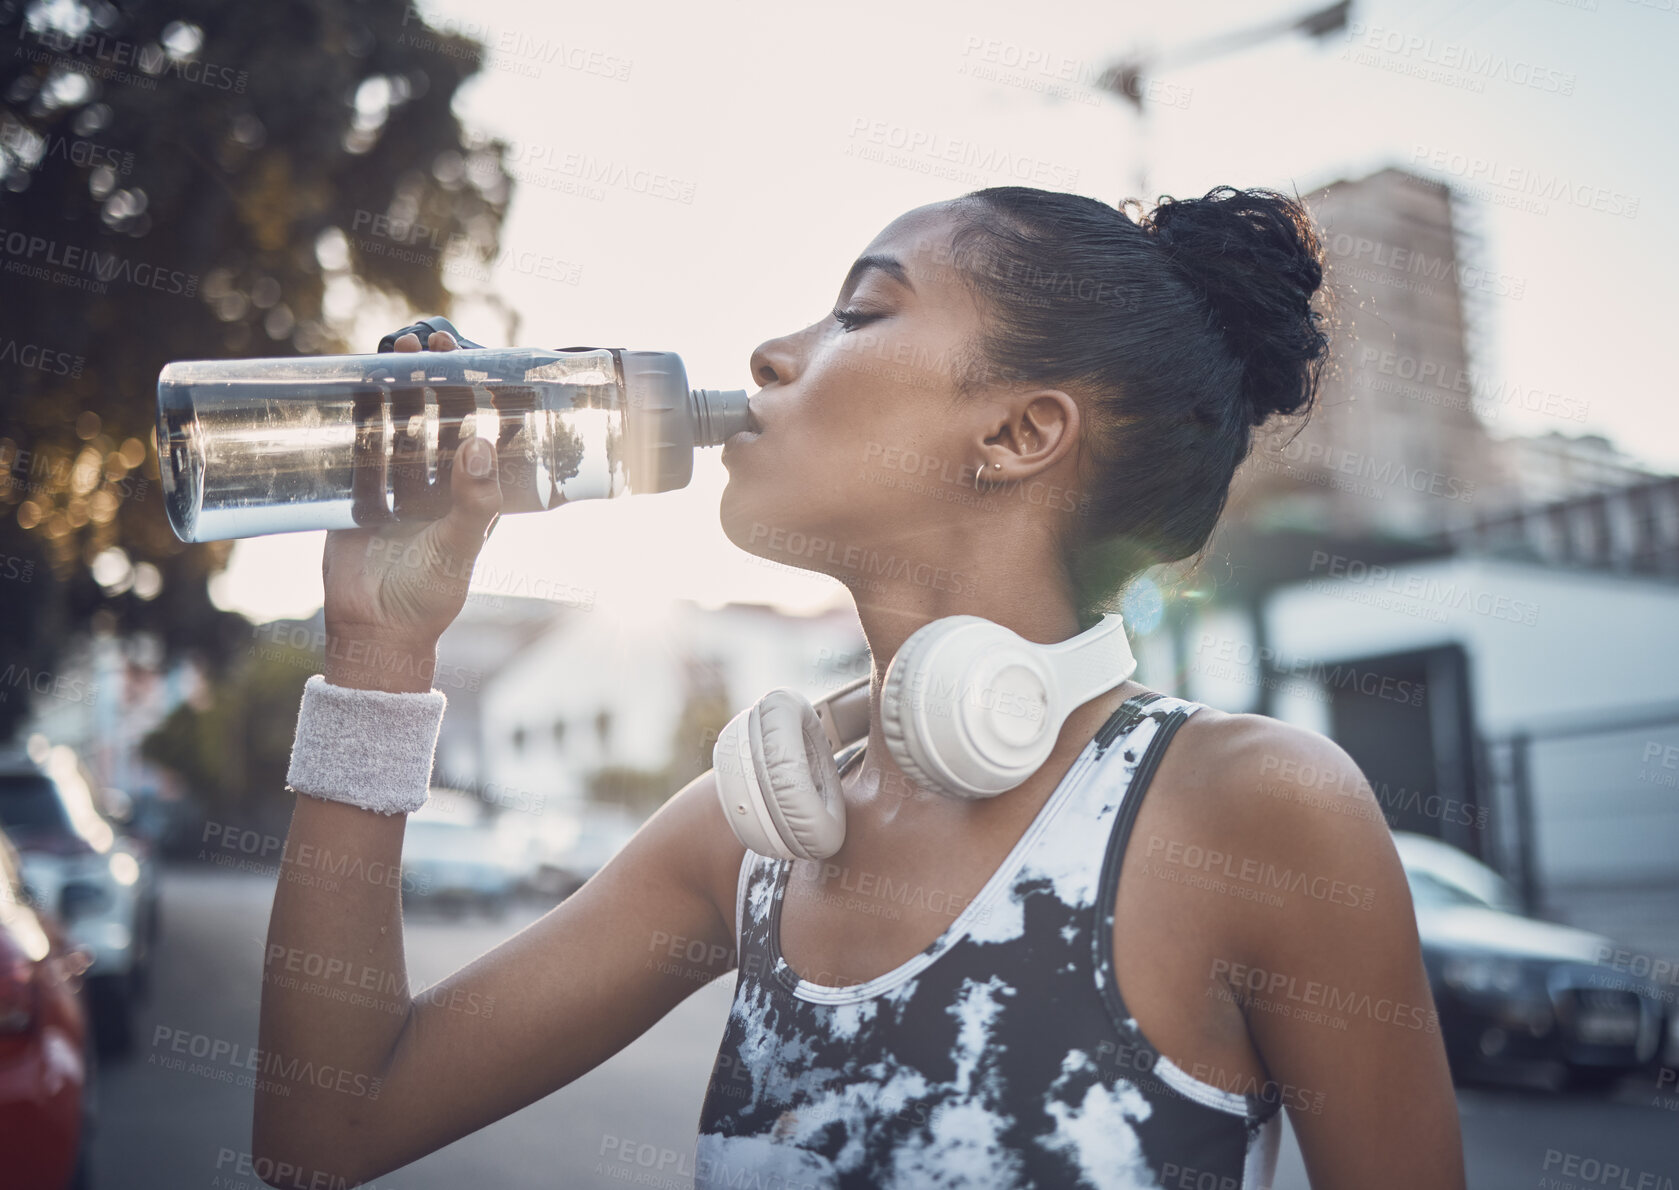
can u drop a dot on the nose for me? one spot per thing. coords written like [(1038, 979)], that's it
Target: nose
[(774, 360)]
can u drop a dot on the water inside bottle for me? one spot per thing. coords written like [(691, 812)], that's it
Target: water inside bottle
[(254, 455)]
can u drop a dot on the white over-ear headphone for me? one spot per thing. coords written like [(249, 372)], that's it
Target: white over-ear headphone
[(969, 708)]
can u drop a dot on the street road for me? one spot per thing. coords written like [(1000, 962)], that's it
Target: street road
[(166, 1124)]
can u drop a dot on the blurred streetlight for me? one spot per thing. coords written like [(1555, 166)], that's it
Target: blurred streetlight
[(1127, 78)]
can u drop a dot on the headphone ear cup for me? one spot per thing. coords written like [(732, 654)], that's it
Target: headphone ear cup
[(895, 698), (931, 708), (777, 780), (738, 790), (797, 769)]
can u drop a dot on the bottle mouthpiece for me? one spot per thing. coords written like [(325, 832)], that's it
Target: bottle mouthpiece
[(718, 414)]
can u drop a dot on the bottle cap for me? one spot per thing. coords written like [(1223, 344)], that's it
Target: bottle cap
[(719, 413), (666, 420), (658, 425)]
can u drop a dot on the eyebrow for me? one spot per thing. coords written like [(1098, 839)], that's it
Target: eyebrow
[(886, 264)]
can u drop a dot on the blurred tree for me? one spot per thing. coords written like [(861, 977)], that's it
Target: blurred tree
[(192, 179)]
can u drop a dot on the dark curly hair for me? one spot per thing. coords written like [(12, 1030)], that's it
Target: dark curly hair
[(1183, 328)]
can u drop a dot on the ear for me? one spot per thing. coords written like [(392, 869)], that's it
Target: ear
[(1031, 432)]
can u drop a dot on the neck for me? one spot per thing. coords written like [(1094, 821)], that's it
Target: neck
[(1020, 593)]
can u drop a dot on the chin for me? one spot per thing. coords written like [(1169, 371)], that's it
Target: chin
[(768, 528), (743, 519)]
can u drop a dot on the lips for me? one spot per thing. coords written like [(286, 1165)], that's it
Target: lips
[(737, 440), (740, 437)]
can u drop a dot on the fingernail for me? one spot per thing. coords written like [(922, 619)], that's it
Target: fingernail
[(477, 458)]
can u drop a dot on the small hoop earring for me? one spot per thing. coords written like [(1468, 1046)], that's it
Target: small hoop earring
[(980, 470)]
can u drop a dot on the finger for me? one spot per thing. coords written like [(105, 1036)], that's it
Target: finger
[(408, 342), (475, 494), (442, 341)]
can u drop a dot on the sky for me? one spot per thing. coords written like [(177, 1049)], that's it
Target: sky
[(759, 146)]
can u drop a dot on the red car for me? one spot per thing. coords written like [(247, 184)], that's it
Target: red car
[(45, 1073)]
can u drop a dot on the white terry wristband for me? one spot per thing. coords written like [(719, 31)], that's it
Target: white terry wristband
[(368, 748)]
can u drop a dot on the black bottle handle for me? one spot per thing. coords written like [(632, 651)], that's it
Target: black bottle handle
[(424, 328)]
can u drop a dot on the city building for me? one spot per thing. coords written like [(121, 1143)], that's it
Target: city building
[(1486, 623)]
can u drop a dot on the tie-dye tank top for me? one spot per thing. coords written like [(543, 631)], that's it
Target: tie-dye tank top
[(1001, 1055)]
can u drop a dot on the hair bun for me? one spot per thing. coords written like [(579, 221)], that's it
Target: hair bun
[(1256, 258)]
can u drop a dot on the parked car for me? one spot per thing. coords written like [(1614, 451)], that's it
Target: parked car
[(1520, 995), (100, 883), (46, 1085), (452, 858)]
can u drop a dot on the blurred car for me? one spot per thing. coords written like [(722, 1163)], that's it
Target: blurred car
[(453, 858), (1520, 995), (46, 1088), (100, 883), (572, 846)]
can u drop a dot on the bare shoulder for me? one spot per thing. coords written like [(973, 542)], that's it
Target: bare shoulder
[(1273, 913), (1277, 782), (1294, 811), (1316, 942)]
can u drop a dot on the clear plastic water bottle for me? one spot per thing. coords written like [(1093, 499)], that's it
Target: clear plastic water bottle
[(250, 447)]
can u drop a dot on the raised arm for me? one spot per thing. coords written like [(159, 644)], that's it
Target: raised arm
[(357, 1074), (399, 1076)]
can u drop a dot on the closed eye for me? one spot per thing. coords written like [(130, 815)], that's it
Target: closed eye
[(852, 319)]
